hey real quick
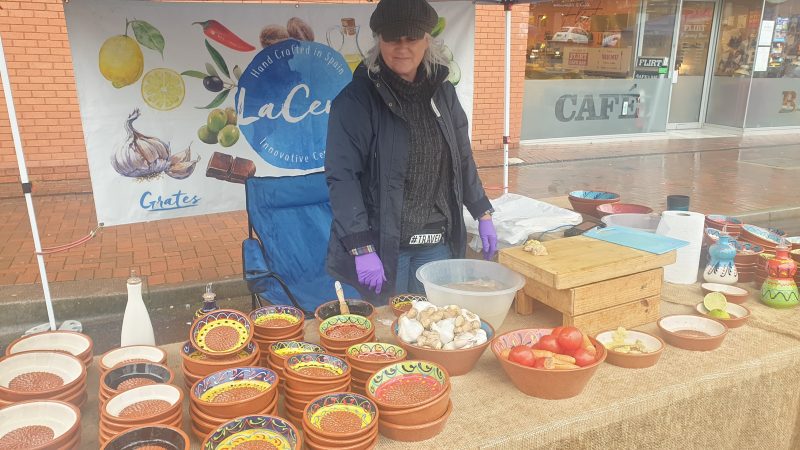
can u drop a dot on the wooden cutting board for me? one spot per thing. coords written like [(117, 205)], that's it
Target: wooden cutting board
[(579, 260)]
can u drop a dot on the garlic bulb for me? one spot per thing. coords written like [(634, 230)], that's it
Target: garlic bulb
[(409, 330)]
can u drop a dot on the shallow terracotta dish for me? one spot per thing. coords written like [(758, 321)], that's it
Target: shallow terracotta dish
[(344, 330), (366, 442), (307, 395), (457, 362), (206, 393), (762, 236), (317, 367), (275, 430), (357, 307), (69, 369), (221, 333), (653, 344), (732, 293), (400, 304), (131, 353), (199, 364), (719, 221), (544, 383), (214, 421), (157, 392), (277, 320), (427, 381), (692, 332), (281, 350), (76, 344), (586, 202), (319, 416), (621, 208), (160, 436), (739, 314), (795, 254), (127, 376), (62, 419), (415, 433), (304, 384), (419, 415), (369, 357)]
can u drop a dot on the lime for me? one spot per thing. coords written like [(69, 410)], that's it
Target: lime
[(121, 61), (715, 300), (719, 314), (163, 89)]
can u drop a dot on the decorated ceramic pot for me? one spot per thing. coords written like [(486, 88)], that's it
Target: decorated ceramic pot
[(721, 267), (779, 289)]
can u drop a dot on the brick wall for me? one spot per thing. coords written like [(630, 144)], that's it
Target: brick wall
[(40, 67)]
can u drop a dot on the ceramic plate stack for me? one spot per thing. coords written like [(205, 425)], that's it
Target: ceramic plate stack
[(746, 260), (341, 420), (160, 437), (158, 404), (127, 376), (338, 333), (730, 225), (279, 351), (276, 323), (413, 398), (132, 353), (197, 365), (40, 424), (255, 432), (42, 376), (225, 395), (310, 375), (358, 307), (761, 268), (76, 344), (367, 358)]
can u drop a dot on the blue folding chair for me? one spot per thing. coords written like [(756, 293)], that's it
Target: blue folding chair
[(289, 222)]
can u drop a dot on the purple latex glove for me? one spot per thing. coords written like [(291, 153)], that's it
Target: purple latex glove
[(370, 271), (488, 237)]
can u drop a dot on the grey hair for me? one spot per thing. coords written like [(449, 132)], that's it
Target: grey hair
[(433, 58)]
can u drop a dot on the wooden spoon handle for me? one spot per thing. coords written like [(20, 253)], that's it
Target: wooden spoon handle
[(343, 308)]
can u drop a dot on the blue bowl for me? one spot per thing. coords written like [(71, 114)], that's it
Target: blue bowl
[(271, 429)]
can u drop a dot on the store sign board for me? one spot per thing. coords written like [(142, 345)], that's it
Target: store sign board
[(647, 61), (614, 60)]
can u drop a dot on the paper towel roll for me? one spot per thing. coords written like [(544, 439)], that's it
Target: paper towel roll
[(687, 226)]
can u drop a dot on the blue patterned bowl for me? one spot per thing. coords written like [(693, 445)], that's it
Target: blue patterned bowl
[(340, 402), (719, 220), (761, 235), (222, 332), (270, 430), (217, 394), (390, 382)]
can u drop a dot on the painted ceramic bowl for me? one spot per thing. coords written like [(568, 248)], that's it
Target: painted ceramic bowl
[(268, 431), (372, 356), (76, 344), (586, 202), (200, 364), (621, 208), (712, 235), (415, 433), (221, 333), (235, 392), (719, 220), (795, 254), (692, 332), (739, 314), (277, 321), (125, 377), (132, 353), (300, 398), (145, 404), (408, 384), (341, 415), (760, 235), (732, 293), (653, 345), (747, 253), (457, 362), (41, 375), (344, 330), (795, 241), (201, 419), (62, 420), (317, 372), (160, 436), (401, 304), (279, 351), (357, 307), (544, 383)]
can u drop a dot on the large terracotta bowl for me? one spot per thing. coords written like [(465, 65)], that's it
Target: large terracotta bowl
[(653, 344), (132, 353), (358, 307), (621, 208), (747, 253), (232, 321), (280, 432), (761, 236), (362, 327), (369, 357), (70, 369), (76, 344), (415, 433), (419, 415), (199, 364), (342, 403), (204, 420), (277, 321), (308, 394), (421, 375), (732, 293), (692, 332), (62, 418), (164, 392), (204, 393), (316, 442), (544, 383), (128, 376), (739, 314), (586, 202), (159, 436), (457, 362)]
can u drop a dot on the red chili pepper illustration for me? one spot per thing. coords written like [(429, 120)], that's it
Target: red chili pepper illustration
[(224, 36)]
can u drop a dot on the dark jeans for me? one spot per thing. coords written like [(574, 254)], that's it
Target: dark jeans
[(410, 260)]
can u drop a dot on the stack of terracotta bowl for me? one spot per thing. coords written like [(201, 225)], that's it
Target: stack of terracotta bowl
[(196, 365), (76, 344), (255, 432), (401, 304), (42, 376), (338, 333), (310, 375), (225, 395), (763, 237), (276, 323), (150, 437), (127, 376), (367, 358), (158, 404), (795, 255), (132, 353), (279, 351), (727, 224), (586, 202), (413, 398), (761, 272), (358, 307), (746, 260), (40, 424), (341, 420)]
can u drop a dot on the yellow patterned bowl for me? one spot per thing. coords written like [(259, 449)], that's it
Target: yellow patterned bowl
[(222, 332), (269, 430), (277, 321), (235, 392), (341, 415)]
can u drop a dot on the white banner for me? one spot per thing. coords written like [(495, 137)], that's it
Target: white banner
[(181, 102)]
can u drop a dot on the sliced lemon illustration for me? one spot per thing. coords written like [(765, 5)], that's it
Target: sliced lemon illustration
[(163, 89)]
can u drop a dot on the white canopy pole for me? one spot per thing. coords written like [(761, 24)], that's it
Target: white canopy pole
[(507, 98), (26, 187)]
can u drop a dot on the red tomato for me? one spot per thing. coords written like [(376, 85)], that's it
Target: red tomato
[(570, 338), (549, 343), (583, 358), (538, 363), (556, 331), (521, 354)]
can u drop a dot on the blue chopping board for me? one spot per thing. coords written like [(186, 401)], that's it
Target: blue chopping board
[(640, 240)]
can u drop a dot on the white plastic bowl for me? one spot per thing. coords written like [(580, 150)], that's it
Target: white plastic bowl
[(642, 222), (491, 306)]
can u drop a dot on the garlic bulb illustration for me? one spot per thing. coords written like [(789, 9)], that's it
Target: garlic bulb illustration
[(143, 156)]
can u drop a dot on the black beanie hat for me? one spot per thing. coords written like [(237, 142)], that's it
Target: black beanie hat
[(393, 19)]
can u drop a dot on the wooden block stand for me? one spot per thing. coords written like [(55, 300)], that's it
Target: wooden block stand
[(596, 285)]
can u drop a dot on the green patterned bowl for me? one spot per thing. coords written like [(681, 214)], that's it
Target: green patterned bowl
[(355, 326), (407, 384)]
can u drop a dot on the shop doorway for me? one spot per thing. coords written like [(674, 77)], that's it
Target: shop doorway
[(692, 67)]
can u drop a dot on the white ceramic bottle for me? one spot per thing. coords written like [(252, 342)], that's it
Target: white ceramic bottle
[(136, 326)]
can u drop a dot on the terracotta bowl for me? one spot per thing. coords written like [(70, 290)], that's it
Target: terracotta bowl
[(303, 384), (307, 395), (400, 304), (211, 422), (653, 344), (279, 351), (621, 208), (369, 357), (200, 364), (366, 442), (166, 392), (732, 293), (739, 314), (279, 431), (206, 390), (761, 235), (343, 403), (357, 307), (419, 415), (544, 383), (419, 374), (76, 344), (133, 375), (746, 252), (277, 320), (711, 236), (132, 353), (296, 366), (795, 254), (586, 202), (360, 327), (232, 321), (175, 419), (168, 438), (718, 220), (417, 432), (71, 370), (746, 277), (705, 334), (62, 418), (457, 362)]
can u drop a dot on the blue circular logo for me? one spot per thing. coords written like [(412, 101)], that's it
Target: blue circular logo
[(284, 99)]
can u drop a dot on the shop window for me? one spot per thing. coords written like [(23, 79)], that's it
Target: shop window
[(737, 38), (784, 58)]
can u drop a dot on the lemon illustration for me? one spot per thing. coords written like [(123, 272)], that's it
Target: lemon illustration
[(121, 61), (163, 89)]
